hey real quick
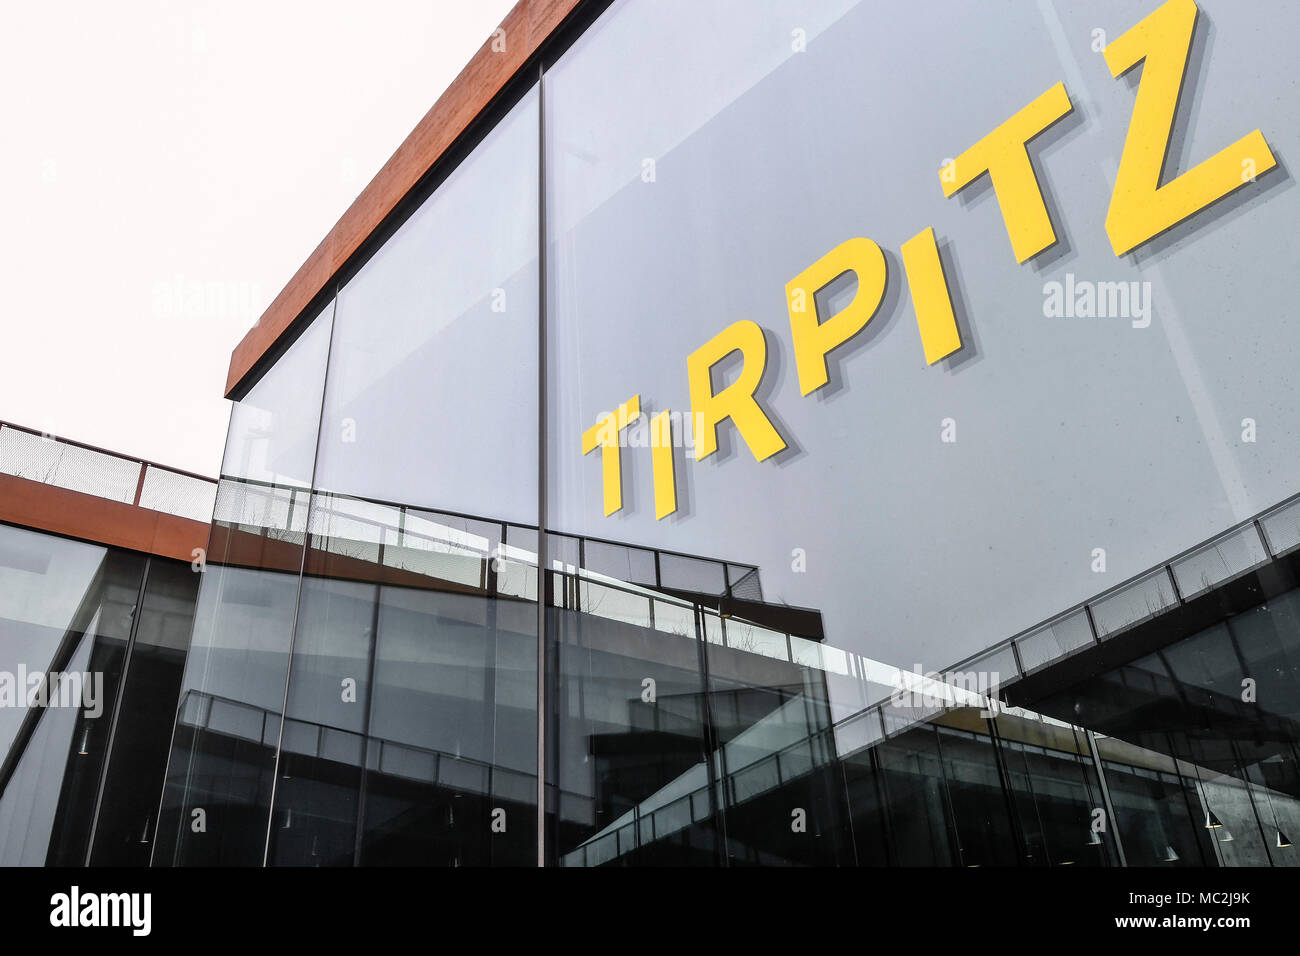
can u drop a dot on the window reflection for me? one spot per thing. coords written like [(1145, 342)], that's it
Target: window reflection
[(83, 765), (410, 736)]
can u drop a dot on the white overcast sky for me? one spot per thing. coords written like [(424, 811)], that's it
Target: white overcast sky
[(152, 147)]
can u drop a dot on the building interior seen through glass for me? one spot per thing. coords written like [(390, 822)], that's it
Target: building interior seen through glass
[(108, 629), (441, 624)]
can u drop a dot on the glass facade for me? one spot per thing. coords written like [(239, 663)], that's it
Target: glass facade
[(228, 720), (552, 539), (92, 647), (363, 685)]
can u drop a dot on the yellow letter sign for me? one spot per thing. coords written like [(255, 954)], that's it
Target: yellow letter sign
[(1140, 208)]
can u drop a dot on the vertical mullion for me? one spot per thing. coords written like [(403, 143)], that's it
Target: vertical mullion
[(1111, 820), (541, 465)]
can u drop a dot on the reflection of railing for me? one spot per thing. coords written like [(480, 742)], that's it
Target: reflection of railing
[(414, 539), (645, 828), (670, 810), (235, 718), (654, 567), (686, 799), (634, 585), (1243, 548), (581, 590), (63, 463), (277, 512)]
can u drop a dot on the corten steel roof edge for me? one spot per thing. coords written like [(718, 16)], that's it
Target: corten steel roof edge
[(528, 25), (42, 507)]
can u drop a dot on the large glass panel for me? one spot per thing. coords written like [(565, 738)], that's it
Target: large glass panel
[(432, 391), (1198, 739), (28, 818), (980, 808), (1156, 808), (272, 436), (91, 733), (1059, 807), (920, 825), (410, 736), (928, 510), (218, 792), (133, 781), (69, 608), (782, 788), (925, 511), (217, 797), (632, 766), (410, 728), (451, 774), (325, 723), (47, 589), (863, 789)]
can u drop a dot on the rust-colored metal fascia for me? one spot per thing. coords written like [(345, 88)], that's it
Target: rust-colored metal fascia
[(42, 507), (527, 26)]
